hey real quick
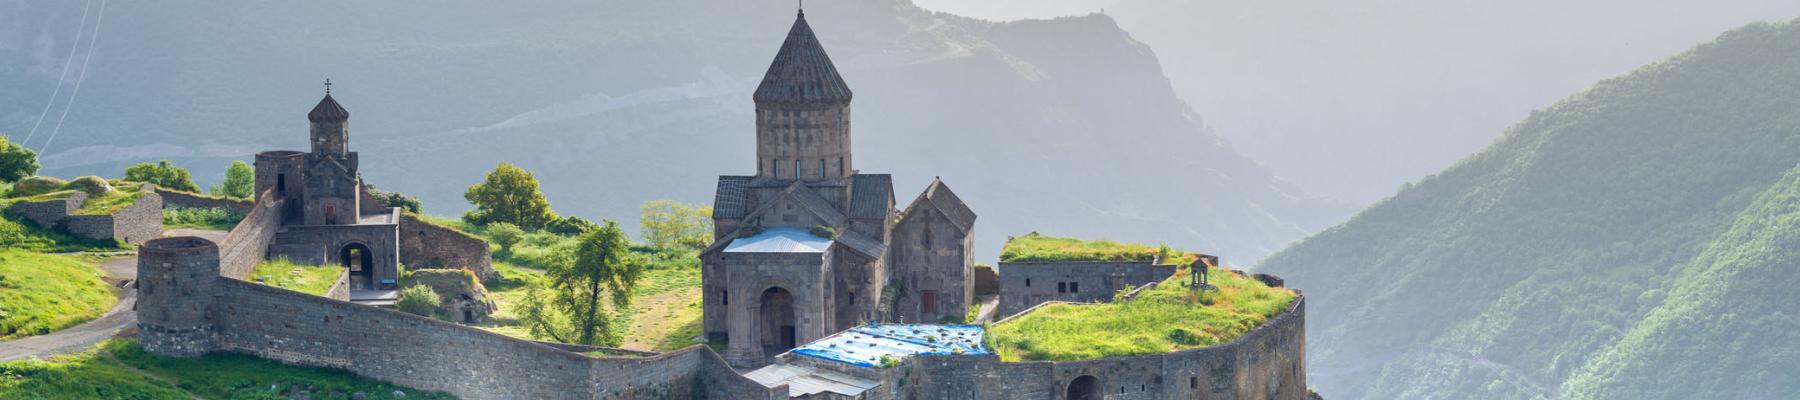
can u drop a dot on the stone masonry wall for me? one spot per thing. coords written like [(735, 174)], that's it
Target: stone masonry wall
[(427, 246), (48, 213), (177, 198), (1026, 284), (137, 222), (340, 289), (188, 309), (1269, 362), (248, 243)]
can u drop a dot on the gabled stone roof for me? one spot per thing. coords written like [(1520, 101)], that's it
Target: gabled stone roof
[(730, 201), (328, 110), (938, 196), (863, 244), (871, 196), (801, 72)]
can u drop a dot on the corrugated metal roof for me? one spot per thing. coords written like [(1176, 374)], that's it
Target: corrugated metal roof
[(805, 381), (866, 345), (780, 240)]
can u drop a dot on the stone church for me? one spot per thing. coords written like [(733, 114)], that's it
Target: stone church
[(327, 215), (809, 245)]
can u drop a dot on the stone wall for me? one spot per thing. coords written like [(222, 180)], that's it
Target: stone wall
[(1269, 362), (328, 244), (188, 310), (424, 245), (177, 198), (929, 254), (987, 281), (1026, 284), (340, 289), (248, 243), (135, 223)]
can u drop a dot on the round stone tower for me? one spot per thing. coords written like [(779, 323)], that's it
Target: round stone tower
[(177, 279), (803, 112)]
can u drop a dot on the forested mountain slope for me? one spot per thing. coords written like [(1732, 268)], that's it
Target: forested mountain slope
[(1634, 241), (1064, 126)]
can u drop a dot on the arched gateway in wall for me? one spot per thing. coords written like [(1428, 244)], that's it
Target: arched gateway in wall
[(360, 262), (1085, 387), (777, 323)]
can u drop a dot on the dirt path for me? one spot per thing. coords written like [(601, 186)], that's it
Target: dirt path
[(80, 337)]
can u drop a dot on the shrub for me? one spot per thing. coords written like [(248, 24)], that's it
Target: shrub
[(205, 218), (505, 235), (164, 174), (571, 226), (92, 185), (396, 199), (417, 300), (240, 181), (37, 185)]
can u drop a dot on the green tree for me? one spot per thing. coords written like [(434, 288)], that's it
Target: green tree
[(240, 181), (164, 174), (417, 300), (599, 273), (571, 226), (16, 162), (672, 224), (510, 195), (505, 235), (410, 204)]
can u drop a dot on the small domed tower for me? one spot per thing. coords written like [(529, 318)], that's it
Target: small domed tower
[(177, 279), (803, 112), (330, 127)]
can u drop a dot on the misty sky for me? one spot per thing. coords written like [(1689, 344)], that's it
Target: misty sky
[(1006, 10)]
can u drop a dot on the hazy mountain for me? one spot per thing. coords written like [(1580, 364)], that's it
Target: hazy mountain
[(1065, 126), (1634, 241), (1349, 99)]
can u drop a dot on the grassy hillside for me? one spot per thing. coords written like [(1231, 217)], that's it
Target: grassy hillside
[(1160, 320), (1585, 253), (41, 293)]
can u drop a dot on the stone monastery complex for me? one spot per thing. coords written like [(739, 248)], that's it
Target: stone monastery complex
[(819, 284)]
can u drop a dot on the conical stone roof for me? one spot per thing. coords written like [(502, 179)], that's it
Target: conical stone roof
[(802, 73), (328, 110)]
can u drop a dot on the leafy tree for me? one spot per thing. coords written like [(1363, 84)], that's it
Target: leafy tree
[(16, 162), (396, 199), (571, 226), (164, 174), (417, 300), (505, 235), (240, 181), (510, 195), (672, 224), (600, 271)]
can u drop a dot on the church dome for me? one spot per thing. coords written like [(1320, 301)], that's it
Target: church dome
[(802, 73), (328, 110)]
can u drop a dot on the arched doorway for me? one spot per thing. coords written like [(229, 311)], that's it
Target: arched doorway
[(361, 263), (1085, 387), (777, 321)]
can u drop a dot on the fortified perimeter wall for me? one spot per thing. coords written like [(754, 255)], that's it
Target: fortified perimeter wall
[(248, 243), (424, 245), (1269, 362), (177, 198), (1027, 284), (186, 309), (137, 222)]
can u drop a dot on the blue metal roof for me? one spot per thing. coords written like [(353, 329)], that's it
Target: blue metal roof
[(780, 240), (866, 345)]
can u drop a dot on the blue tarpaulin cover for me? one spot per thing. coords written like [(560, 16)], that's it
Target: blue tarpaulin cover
[(865, 345), (780, 240)]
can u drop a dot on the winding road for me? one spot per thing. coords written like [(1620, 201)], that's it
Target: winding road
[(86, 335)]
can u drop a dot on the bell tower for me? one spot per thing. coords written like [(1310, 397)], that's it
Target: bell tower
[(330, 126), (803, 112)]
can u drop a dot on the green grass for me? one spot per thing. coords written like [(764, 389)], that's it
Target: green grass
[(42, 293), (110, 202), (22, 234), (310, 279), (120, 369), (1160, 320), (1034, 247), (212, 218)]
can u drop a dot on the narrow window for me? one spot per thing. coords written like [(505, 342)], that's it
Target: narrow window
[(775, 168), (1027, 282), (1062, 287), (724, 298), (853, 298), (821, 168), (1193, 382), (281, 183), (796, 169), (841, 169), (1074, 287)]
